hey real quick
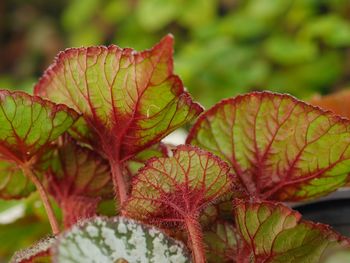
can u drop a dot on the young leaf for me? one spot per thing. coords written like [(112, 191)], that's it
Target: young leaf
[(274, 233), (117, 240), (221, 243), (78, 179), (28, 126), (39, 252), (176, 189), (129, 100), (281, 148), (334, 102)]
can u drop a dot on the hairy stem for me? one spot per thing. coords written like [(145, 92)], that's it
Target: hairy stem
[(44, 198), (195, 238), (120, 186)]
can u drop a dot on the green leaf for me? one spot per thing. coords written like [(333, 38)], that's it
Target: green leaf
[(281, 148), (173, 192), (221, 242), (28, 125), (169, 189), (136, 163), (129, 99), (272, 232), (13, 184), (117, 240)]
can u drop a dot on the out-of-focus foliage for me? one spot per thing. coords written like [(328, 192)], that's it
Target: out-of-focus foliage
[(223, 47), (29, 224)]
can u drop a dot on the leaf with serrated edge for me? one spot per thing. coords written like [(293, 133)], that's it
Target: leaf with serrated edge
[(272, 232), (28, 124), (129, 100), (78, 179), (117, 239), (178, 186), (175, 190), (39, 252), (281, 148), (221, 244)]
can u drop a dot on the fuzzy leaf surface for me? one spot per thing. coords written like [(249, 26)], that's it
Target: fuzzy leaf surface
[(38, 253), (272, 232), (28, 125), (169, 189), (117, 239), (129, 100), (78, 179), (281, 148)]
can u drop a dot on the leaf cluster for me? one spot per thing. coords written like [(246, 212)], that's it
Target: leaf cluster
[(92, 134)]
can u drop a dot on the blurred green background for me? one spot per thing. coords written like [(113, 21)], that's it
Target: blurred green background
[(223, 48)]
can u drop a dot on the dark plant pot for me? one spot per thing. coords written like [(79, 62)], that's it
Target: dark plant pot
[(333, 210)]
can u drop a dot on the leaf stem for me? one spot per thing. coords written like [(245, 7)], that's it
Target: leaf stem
[(120, 186), (195, 238), (44, 198)]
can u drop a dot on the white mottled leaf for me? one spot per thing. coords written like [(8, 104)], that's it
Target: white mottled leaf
[(117, 239)]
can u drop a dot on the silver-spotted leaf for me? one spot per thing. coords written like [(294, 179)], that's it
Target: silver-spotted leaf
[(273, 233), (281, 148), (117, 239), (28, 125)]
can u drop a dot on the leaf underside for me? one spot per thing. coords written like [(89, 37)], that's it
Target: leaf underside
[(129, 100), (169, 189), (78, 179), (117, 239), (281, 148), (28, 125), (272, 232)]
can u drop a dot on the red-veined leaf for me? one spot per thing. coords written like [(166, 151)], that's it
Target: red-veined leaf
[(129, 100), (221, 243), (78, 178), (28, 126), (281, 148), (272, 232), (336, 102), (38, 253), (174, 190)]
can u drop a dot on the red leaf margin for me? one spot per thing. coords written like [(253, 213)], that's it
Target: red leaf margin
[(244, 249), (165, 44), (55, 107), (116, 144), (235, 100)]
